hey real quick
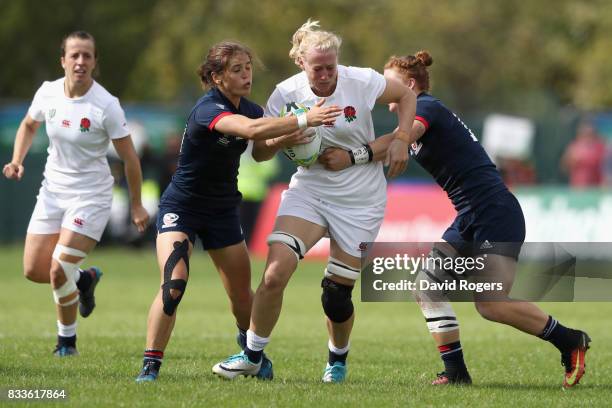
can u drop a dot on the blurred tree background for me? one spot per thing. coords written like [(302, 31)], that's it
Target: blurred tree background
[(504, 55)]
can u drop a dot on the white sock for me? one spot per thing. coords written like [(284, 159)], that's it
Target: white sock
[(66, 330), (256, 343), (336, 350)]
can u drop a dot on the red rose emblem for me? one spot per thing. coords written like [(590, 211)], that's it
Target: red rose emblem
[(350, 114), (85, 124)]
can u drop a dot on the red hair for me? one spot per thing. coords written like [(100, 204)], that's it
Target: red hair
[(413, 66)]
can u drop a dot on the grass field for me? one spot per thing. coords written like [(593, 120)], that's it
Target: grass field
[(391, 363)]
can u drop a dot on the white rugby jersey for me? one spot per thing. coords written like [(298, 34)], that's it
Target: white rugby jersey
[(356, 92), (79, 131)]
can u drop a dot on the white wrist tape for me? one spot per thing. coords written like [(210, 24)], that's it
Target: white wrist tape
[(302, 120)]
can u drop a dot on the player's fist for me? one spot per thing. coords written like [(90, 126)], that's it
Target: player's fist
[(13, 171), (140, 217)]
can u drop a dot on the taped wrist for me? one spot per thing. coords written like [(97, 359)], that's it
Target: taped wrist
[(302, 120), (361, 155)]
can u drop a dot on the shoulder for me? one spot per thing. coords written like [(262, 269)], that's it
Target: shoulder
[(293, 84), (363, 75), (426, 99), (210, 101), (251, 109), (51, 88), (102, 98)]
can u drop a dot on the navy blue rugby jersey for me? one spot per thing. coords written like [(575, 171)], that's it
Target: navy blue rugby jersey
[(450, 152), (207, 171)]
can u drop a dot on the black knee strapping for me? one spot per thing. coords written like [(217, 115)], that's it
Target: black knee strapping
[(181, 251), (336, 300)]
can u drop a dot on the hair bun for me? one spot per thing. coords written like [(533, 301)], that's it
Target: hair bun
[(424, 57)]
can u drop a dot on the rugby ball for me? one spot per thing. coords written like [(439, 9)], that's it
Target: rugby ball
[(307, 153)]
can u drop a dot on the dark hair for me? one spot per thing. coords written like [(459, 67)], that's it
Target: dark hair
[(82, 35), (413, 66), (218, 58)]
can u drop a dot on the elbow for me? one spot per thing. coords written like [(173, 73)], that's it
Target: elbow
[(259, 156)]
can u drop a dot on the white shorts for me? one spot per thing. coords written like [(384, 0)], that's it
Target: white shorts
[(349, 227), (86, 214)]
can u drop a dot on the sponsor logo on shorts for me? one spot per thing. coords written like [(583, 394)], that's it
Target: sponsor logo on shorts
[(66, 123), (363, 246), (79, 222), (170, 220)]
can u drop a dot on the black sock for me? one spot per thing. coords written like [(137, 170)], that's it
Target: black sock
[(241, 338), (153, 357), (84, 280), (254, 356), (333, 357), (561, 337), (66, 341), (452, 357)]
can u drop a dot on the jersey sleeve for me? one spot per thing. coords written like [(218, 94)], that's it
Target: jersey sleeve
[(114, 121), (426, 113), (37, 108), (375, 87), (208, 114), (276, 101)]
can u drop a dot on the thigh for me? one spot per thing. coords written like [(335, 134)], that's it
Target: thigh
[(77, 241), (233, 265), (37, 253), (336, 252), (309, 232), (498, 274), (174, 266)]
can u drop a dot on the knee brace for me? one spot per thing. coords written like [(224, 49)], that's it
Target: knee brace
[(336, 300), (69, 270), (293, 242), (181, 251), (339, 268)]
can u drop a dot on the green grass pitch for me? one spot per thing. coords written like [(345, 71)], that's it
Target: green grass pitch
[(391, 363)]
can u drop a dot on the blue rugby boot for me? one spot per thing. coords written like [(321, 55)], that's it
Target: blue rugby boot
[(149, 372), (335, 373), (65, 351)]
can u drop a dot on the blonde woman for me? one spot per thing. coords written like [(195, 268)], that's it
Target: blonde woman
[(347, 206)]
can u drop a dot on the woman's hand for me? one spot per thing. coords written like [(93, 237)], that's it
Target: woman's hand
[(335, 159), (140, 217), (13, 171), (319, 115)]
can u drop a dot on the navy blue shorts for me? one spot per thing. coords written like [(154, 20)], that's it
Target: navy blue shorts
[(497, 227), (216, 228)]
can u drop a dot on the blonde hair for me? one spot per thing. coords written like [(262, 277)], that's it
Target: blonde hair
[(310, 36)]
